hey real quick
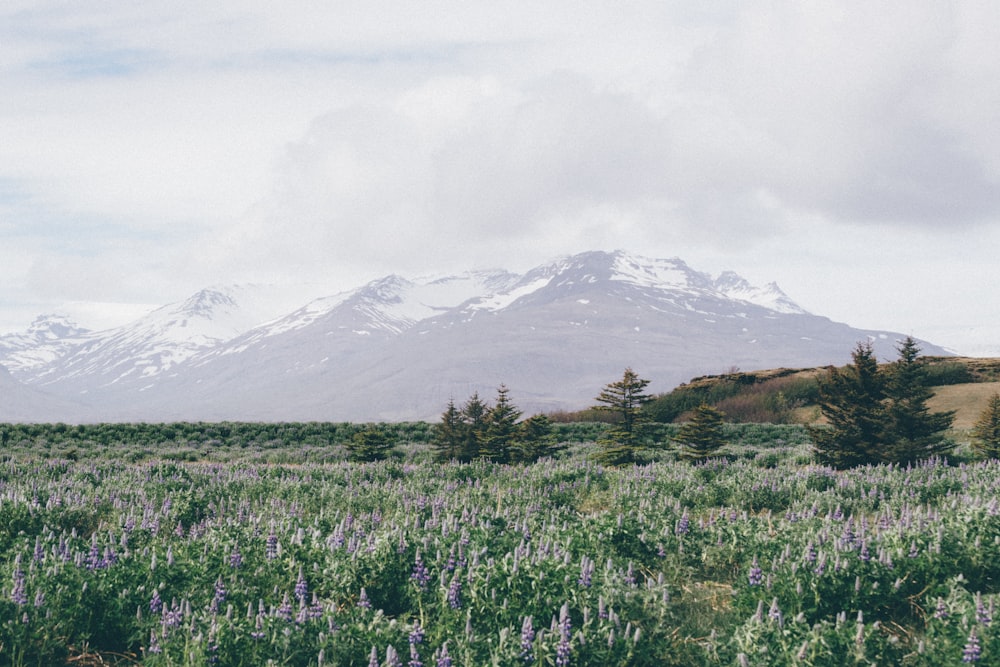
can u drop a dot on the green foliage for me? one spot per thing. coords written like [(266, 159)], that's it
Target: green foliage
[(450, 435), (624, 399), (947, 372), (911, 431), (501, 428), (536, 440), (879, 415), (494, 433), (851, 400), (703, 436), (731, 561), (986, 432), (371, 443), (743, 397), (667, 407)]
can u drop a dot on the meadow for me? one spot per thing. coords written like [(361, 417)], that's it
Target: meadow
[(236, 553)]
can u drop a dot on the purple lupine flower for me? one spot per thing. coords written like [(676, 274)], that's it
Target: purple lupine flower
[(94, 557), (285, 610), (373, 658), (235, 558), (972, 651), (315, 609), (420, 576), (630, 575), (301, 587), (443, 659), (983, 614), (414, 658), (455, 593), (391, 657), (527, 640), (756, 575), (586, 572), (914, 552), (565, 630), (39, 552), (271, 547), (363, 600), (219, 596), (154, 644), (416, 633), (155, 603), (774, 613), (683, 525), (18, 594), (258, 628), (941, 611)]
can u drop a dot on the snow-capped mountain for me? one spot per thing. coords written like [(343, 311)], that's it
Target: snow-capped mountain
[(399, 348), (48, 338)]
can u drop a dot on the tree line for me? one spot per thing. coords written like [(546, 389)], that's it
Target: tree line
[(872, 414)]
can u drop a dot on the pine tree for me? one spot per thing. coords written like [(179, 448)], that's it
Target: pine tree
[(986, 432), (851, 400), (500, 428), (624, 399), (911, 431), (450, 435), (474, 414), (701, 437), (370, 444), (535, 440)]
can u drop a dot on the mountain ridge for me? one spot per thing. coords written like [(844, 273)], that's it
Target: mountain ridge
[(399, 349)]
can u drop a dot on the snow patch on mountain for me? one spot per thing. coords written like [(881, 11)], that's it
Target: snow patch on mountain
[(504, 299), (733, 286), (46, 339)]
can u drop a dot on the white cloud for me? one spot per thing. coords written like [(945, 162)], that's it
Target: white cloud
[(148, 150)]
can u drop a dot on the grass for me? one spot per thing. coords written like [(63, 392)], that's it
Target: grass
[(967, 400)]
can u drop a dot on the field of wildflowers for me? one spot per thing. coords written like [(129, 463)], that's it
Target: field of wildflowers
[(759, 557)]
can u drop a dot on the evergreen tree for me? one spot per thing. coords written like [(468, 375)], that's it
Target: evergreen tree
[(986, 432), (474, 414), (535, 440), (624, 399), (911, 431), (701, 437), (450, 434), (851, 400), (500, 428), (370, 444)]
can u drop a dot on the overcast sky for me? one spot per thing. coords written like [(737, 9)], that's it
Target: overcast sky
[(849, 151)]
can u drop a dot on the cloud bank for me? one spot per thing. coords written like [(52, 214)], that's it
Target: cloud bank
[(847, 150)]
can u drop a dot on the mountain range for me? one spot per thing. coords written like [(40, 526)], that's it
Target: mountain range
[(398, 349)]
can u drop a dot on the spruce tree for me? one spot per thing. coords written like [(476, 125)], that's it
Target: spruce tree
[(474, 414), (623, 399), (701, 437), (449, 434), (851, 401), (535, 440), (500, 428), (911, 431), (986, 432), (372, 443)]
